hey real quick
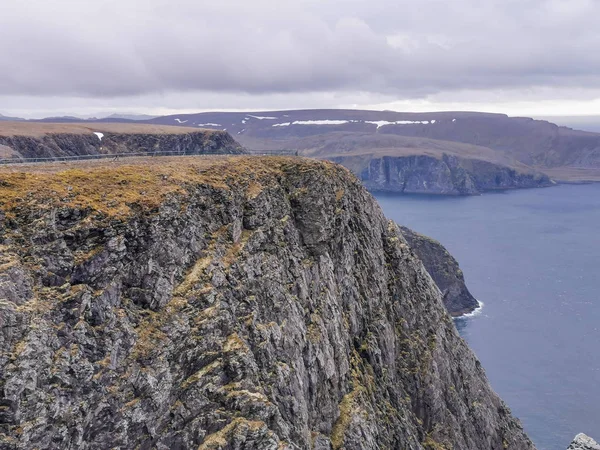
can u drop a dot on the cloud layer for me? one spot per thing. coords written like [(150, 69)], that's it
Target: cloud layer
[(397, 49)]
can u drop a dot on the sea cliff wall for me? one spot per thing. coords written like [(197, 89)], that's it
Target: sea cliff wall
[(242, 303), (74, 144), (449, 175)]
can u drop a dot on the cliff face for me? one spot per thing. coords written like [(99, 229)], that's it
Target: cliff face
[(68, 144), (243, 303), (444, 270), (449, 175)]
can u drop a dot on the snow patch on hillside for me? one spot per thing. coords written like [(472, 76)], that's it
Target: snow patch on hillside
[(320, 122), (312, 122), (100, 135), (383, 123), (180, 121), (263, 117), (210, 125)]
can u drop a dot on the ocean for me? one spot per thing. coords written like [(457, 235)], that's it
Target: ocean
[(532, 257)]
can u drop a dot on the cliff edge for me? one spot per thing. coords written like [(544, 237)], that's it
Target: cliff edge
[(234, 303), (48, 140)]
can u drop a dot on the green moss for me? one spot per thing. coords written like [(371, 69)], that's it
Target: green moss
[(348, 409), (220, 439)]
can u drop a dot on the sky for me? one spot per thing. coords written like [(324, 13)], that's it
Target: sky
[(520, 57)]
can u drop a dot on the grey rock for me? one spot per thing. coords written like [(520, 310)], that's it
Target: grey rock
[(65, 144), (275, 310), (444, 270), (583, 442), (448, 175)]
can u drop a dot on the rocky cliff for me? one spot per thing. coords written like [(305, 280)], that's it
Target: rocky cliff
[(235, 303), (448, 175), (51, 140), (444, 270)]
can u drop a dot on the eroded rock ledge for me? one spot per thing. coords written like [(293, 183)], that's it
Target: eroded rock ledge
[(243, 303), (583, 442)]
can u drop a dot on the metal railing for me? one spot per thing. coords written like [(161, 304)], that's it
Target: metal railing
[(117, 156)]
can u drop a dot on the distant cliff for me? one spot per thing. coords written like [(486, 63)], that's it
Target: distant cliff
[(444, 270), (235, 303), (50, 140), (537, 143), (448, 175)]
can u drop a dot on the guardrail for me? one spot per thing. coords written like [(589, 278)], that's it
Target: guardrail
[(116, 156)]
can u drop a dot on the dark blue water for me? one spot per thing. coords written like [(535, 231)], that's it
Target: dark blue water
[(533, 258)]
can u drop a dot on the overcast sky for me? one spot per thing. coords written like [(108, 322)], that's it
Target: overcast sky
[(522, 57)]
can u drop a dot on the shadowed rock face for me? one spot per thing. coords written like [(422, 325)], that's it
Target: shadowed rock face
[(444, 270), (583, 442), (66, 144), (264, 304), (447, 176)]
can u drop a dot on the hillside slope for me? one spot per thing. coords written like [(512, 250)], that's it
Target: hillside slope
[(222, 304)]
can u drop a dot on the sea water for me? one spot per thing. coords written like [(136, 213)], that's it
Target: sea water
[(532, 258)]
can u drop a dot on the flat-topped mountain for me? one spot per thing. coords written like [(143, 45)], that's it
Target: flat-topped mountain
[(533, 142), (493, 151)]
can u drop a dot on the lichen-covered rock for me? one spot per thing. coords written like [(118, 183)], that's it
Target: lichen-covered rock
[(247, 304), (583, 442), (444, 270)]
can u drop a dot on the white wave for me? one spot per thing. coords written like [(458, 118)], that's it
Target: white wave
[(209, 125), (475, 312), (180, 121)]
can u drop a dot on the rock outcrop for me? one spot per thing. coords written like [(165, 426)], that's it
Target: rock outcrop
[(444, 270), (449, 175), (112, 139), (235, 303), (583, 442)]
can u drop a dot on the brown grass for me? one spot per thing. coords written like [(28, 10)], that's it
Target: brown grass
[(114, 188), (39, 129)]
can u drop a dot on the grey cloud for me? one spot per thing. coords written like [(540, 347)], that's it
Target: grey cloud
[(109, 48)]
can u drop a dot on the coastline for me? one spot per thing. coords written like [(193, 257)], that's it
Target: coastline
[(476, 312)]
